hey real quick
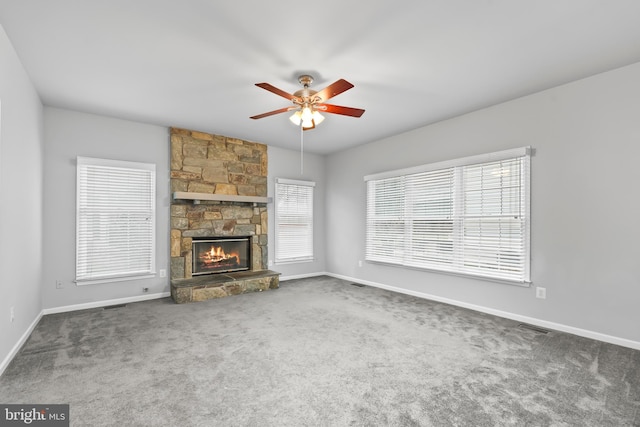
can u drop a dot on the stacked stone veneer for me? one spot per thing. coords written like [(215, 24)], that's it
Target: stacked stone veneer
[(214, 164)]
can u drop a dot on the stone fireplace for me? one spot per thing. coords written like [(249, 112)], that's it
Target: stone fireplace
[(218, 217)]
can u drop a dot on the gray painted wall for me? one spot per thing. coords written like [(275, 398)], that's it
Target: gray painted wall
[(286, 164), (69, 134), (21, 150), (585, 204)]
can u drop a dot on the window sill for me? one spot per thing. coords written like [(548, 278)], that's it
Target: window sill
[(294, 261), (113, 279), (524, 284)]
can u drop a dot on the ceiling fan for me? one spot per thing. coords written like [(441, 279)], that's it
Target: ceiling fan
[(308, 103)]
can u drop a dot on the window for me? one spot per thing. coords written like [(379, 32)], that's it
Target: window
[(467, 216), (294, 220), (115, 220)]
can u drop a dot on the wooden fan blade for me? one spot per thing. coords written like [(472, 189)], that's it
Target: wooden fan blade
[(333, 89), (273, 89), (337, 109), (271, 113)]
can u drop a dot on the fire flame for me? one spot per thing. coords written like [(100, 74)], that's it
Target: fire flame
[(216, 254)]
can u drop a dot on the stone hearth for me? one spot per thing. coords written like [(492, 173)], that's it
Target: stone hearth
[(236, 170), (203, 288)]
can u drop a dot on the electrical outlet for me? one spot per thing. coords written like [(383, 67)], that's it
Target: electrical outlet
[(163, 273), (59, 284), (541, 293), (360, 263), (12, 314), (270, 263), (145, 289)]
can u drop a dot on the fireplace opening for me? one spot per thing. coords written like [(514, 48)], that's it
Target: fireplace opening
[(221, 255)]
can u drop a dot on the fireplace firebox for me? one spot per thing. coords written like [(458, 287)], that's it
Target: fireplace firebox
[(221, 254)]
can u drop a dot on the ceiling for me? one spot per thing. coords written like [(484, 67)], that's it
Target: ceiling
[(193, 63)]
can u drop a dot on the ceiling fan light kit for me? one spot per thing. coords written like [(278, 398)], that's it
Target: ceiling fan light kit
[(308, 103), (307, 118)]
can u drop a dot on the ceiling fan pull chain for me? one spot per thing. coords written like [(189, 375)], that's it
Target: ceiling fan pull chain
[(301, 149)]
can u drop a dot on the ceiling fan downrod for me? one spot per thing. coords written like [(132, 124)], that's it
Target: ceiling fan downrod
[(305, 80)]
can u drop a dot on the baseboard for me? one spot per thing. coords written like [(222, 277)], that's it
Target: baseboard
[(16, 348), (303, 276), (104, 303), (507, 315)]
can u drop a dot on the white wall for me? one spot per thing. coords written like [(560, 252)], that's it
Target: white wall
[(69, 134), (21, 148), (585, 203), (286, 164)]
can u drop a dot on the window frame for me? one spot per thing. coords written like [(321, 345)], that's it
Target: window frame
[(145, 207), (307, 253), (499, 196)]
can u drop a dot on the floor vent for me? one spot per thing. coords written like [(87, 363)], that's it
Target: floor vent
[(110, 307), (360, 285), (533, 328)]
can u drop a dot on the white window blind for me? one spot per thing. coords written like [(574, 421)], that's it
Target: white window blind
[(468, 216), (294, 220), (115, 220)]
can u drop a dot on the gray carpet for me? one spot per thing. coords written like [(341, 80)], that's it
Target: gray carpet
[(319, 352)]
